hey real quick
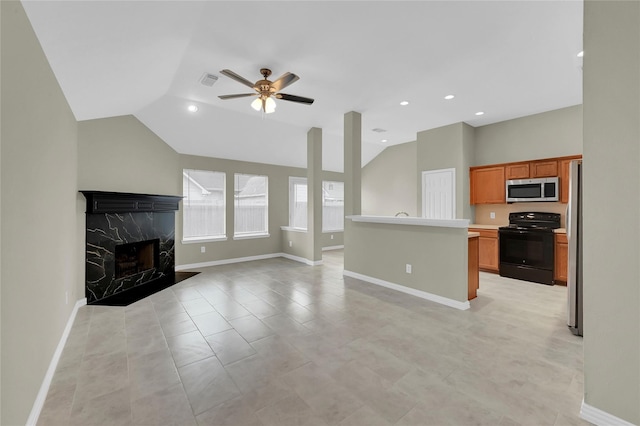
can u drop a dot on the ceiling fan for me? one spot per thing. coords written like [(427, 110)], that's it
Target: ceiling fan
[(266, 90)]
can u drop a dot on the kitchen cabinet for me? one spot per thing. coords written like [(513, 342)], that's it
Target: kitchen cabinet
[(474, 277), (561, 259), (487, 185), (517, 171), (563, 166), (488, 249), (531, 169), (544, 168)]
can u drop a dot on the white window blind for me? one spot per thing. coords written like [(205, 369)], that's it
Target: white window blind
[(203, 206), (298, 202), (251, 205), (332, 206)]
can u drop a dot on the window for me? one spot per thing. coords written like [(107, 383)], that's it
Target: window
[(332, 206), (251, 205), (203, 206), (298, 202)]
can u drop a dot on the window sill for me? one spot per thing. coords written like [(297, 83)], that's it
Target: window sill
[(250, 236), (204, 240), (332, 231), (291, 228)]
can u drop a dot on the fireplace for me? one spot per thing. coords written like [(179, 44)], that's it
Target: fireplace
[(134, 258), (130, 245)]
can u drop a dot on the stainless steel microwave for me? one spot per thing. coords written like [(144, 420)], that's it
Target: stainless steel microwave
[(530, 190)]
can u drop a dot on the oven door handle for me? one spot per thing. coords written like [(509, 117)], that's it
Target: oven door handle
[(513, 231)]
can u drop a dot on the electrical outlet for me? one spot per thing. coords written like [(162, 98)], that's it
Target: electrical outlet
[(332, 236), (492, 215), (290, 243), (408, 268), (203, 249)]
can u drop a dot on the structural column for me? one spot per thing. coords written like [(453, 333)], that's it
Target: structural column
[(314, 193), (352, 163), (352, 179)]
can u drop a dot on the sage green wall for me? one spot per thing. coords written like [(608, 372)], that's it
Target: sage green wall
[(438, 256), (442, 148), (121, 154), (278, 177), (338, 239), (389, 182), (611, 205), (546, 135), (300, 245), (39, 184)]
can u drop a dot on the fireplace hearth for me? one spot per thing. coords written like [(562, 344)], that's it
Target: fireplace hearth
[(130, 245)]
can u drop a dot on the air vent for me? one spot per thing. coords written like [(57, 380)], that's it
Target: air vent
[(378, 130), (208, 79)]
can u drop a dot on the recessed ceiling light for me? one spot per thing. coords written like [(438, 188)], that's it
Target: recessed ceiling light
[(479, 113), (192, 108), (403, 103), (449, 97), (581, 54), (383, 141)]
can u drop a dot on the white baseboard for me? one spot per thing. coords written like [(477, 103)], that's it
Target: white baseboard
[(463, 306), (332, 248), (599, 417), (246, 259), (46, 383), (301, 259), (226, 261)]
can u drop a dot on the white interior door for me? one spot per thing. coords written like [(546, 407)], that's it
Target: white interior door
[(439, 194)]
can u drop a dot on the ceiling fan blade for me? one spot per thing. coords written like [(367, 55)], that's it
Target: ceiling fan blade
[(285, 80), (294, 98), (237, 77), (239, 95)]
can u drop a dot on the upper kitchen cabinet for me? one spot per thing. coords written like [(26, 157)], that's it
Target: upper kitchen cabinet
[(531, 169), (544, 168), (487, 185), (517, 171), (563, 165)]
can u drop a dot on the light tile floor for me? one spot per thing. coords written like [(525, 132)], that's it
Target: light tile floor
[(274, 342)]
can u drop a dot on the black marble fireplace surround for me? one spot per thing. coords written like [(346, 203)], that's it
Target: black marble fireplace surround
[(135, 231)]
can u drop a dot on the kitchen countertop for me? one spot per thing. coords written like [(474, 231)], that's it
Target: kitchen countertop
[(479, 226), (560, 231), (473, 234)]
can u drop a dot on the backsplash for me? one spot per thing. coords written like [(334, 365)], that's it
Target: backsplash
[(483, 211)]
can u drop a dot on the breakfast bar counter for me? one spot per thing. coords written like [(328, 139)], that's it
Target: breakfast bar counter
[(427, 258)]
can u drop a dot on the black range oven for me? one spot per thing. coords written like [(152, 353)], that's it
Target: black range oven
[(527, 246)]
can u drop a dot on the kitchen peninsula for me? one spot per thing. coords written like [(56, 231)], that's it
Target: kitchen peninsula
[(427, 258)]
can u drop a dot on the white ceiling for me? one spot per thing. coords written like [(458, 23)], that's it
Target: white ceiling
[(146, 58)]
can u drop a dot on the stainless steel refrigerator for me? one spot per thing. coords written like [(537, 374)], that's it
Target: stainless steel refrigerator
[(574, 237)]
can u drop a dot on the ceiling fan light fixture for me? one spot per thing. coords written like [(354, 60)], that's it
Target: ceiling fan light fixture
[(269, 105), (257, 104)]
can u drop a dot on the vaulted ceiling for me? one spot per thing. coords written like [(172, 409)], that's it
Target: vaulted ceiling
[(505, 58)]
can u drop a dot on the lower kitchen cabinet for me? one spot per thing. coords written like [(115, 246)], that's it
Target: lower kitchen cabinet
[(488, 249), (561, 259), (474, 278)]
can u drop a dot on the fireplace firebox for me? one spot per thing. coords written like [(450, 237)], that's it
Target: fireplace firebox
[(133, 258), (130, 240)]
